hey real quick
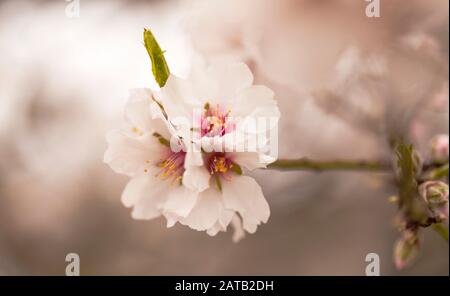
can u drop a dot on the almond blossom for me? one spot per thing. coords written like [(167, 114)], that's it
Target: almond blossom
[(217, 111), (204, 190), (140, 150)]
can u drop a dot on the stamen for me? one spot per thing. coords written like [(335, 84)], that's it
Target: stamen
[(137, 131), (173, 166), (215, 122), (219, 164)]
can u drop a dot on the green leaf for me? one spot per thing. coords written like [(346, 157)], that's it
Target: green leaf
[(159, 65)]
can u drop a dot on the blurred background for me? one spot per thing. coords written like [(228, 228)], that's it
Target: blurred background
[(345, 84)]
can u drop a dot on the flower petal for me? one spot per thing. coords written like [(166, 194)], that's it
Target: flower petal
[(137, 109), (250, 160), (253, 104), (178, 98), (160, 124), (206, 211), (213, 231), (239, 232), (196, 178), (180, 202), (223, 222), (225, 80), (245, 196), (193, 157), (127, 155), (146, 194)]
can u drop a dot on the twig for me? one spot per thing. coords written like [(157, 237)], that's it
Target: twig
[(318, 166)]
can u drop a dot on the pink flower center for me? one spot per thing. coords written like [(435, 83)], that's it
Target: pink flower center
[(172, 166), (215, 121)]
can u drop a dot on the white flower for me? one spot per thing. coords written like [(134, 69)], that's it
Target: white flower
[(203, 190), (141, 150), (218, 109), (215, 110)]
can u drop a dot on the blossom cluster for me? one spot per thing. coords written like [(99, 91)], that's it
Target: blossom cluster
[(186, 146)]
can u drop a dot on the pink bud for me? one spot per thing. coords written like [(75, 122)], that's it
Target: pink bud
[(406, 249), (435, 194), (439, 148)]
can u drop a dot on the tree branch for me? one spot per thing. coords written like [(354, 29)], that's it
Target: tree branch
[(318, 166)]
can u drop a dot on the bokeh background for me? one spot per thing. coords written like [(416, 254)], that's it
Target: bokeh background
[(345, 84)]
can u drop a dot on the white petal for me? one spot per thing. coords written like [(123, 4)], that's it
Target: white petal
[(206, 211), (144, 115), (267, 159), (146, 194), (213, 231), (239, 232), (171, 221), (249, 160), (178, 98), (137, 109), (196, 178), (126, 155), (222, 223), (193, 158), (160, 124), (225, 218), (180, 201), (225, 80), (255, 103), (245, 196)]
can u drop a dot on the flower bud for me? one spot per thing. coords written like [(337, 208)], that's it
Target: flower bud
[(439, 148), (405, 155), (406, 249), (435, 194)]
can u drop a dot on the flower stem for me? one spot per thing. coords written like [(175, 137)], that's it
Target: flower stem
[(318, 166), (441, 230)]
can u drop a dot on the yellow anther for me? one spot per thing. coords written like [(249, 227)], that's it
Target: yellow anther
[(137, 131), (220, 165)]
